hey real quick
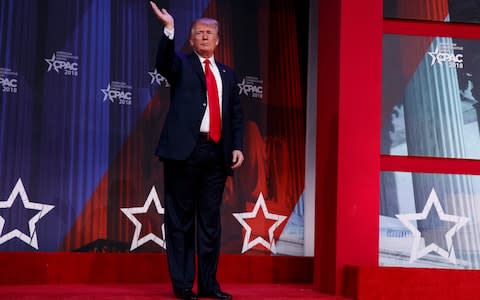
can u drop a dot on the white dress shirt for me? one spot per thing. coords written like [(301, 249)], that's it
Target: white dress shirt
[(205, 125)]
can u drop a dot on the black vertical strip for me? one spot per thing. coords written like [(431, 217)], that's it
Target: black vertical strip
[(246, 50), (302, 19), (43, 9), (390, 8)]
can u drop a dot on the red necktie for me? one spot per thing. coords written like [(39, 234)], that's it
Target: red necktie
[(213, 103)]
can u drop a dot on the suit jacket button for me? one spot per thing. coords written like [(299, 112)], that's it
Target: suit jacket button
[(204, 104)]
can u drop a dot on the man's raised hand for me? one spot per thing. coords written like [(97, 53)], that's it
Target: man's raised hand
[(163, 16)]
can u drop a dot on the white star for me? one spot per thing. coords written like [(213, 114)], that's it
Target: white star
[(50, 63), (241, 87), (449, 253), (434, 56), (270, 245), (129, 212), (106, 92), (43, 209), (154, 76), (158, 78)]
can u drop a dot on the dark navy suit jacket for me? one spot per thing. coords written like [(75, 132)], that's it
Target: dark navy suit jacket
[(188, 102)]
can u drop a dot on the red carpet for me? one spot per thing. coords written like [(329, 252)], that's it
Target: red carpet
[(143, 268), (144, 276), (371, 283), (153, 291)]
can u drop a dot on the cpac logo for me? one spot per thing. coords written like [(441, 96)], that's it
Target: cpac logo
[(249, 88), (112, 94), (57, 65), (10, 83), (156, 77), (453, 60)]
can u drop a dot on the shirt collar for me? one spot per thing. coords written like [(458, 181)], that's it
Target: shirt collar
[(211, 59)]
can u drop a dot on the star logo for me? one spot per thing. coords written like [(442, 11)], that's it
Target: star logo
[(242, 87), (277, 220), (445, 53), (434, 56), (51, 62), (43, 209), (130, 212), (106, 93), (156, 77), (432, 246)]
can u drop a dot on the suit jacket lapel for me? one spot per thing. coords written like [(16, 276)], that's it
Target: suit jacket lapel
[(197, 68), (223, 73)]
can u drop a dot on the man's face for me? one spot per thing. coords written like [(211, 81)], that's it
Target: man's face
[(204, 38)]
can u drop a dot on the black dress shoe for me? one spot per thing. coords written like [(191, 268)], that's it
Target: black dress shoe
[(216, 295), (185, 294)]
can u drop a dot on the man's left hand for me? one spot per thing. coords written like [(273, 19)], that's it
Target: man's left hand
[(237, 158)]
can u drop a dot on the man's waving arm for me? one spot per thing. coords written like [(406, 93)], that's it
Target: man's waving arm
[(166, 62)]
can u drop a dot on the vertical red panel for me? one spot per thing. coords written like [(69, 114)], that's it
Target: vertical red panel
[(349, 98), (359, 134), (327, 145)]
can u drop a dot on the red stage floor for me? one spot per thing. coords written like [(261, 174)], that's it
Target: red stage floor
[(153, 291)]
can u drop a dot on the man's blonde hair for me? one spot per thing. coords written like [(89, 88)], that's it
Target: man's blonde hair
[(207, 21)]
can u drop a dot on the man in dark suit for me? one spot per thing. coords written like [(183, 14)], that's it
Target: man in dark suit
[(200, 144)]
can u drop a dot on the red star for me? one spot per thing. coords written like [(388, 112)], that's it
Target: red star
[(263, 224)]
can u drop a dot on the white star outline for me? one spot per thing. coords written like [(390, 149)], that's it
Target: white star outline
[(50, 63), (241, 87), (106, 93), (43, 209), (270, 245), (157, 77), (129, 212), (458, 220), (434, 56)]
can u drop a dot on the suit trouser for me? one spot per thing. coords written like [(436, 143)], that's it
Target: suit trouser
[(193, 196)]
